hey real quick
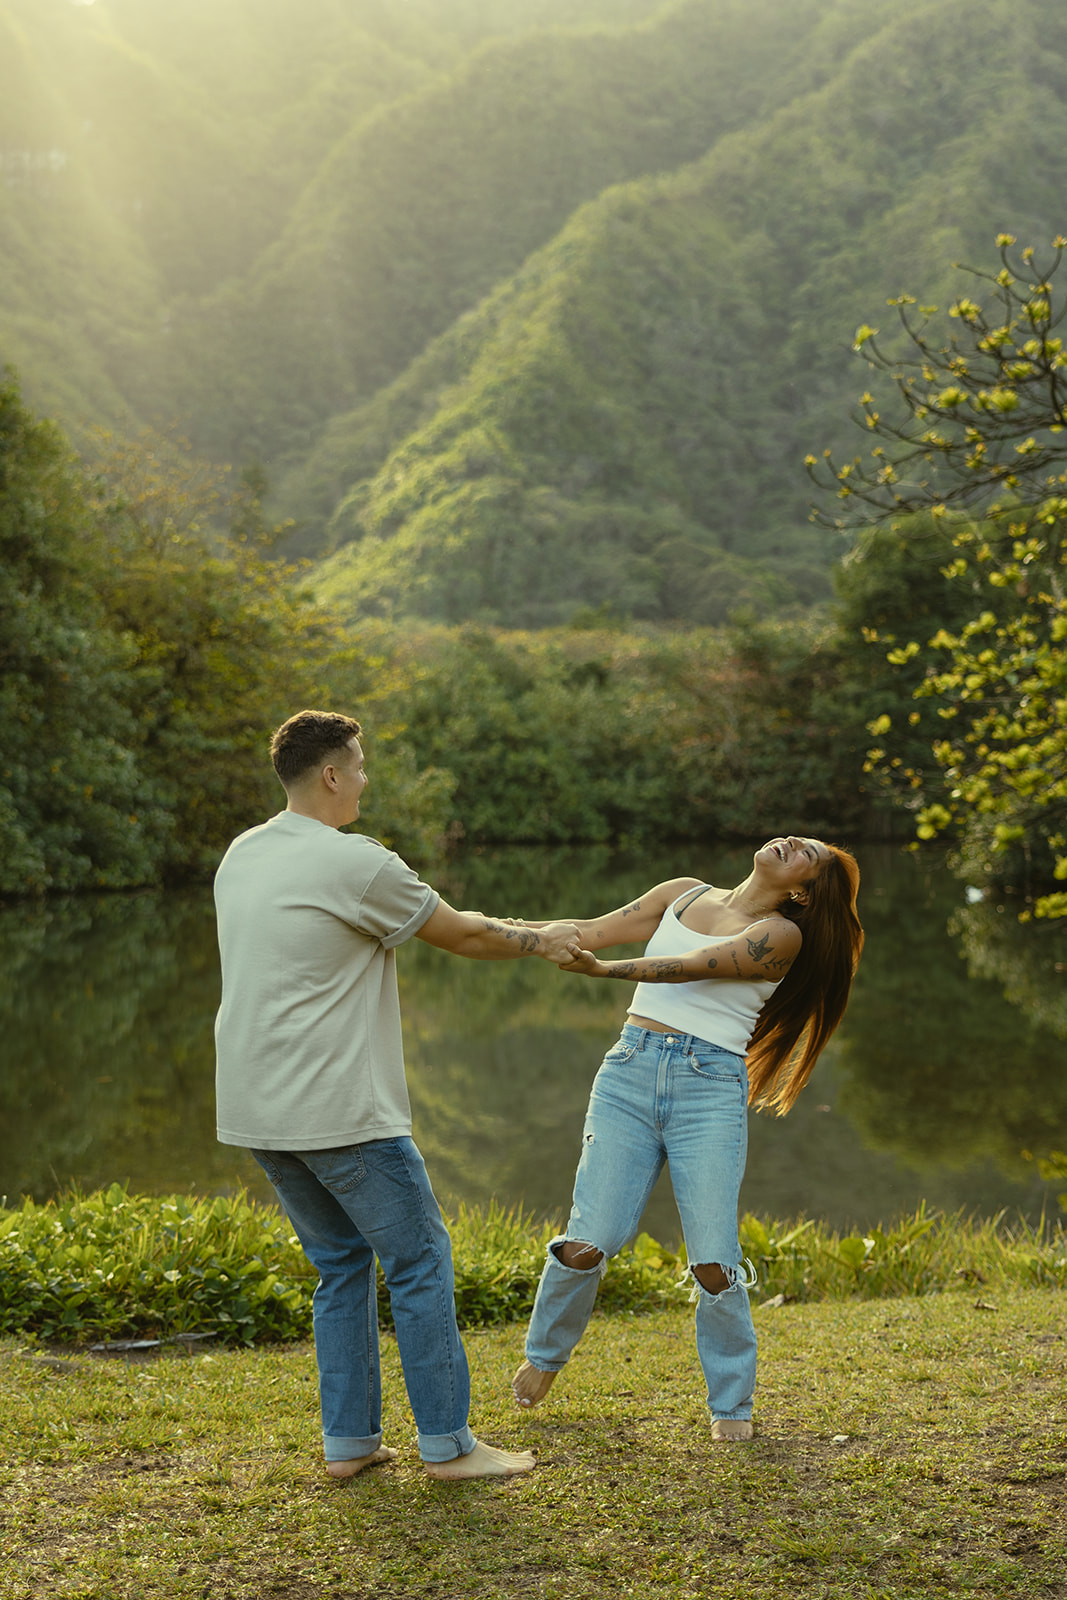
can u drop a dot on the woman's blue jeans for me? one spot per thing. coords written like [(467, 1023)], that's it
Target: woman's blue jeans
[(660, 1097), (348, 1206)]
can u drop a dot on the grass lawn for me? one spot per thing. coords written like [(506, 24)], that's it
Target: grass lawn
[(904, 1447)]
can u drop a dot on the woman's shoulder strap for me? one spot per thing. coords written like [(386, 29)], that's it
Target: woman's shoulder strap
[(694, 894)]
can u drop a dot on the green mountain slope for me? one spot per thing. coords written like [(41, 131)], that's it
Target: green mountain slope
[(150, 152), (129, 180), (425, 207), (76, 292), (519, 321), (625, 420)]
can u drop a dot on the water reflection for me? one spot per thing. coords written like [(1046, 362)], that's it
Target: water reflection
[(106, 1009), (937, 1063), (932, 1088)]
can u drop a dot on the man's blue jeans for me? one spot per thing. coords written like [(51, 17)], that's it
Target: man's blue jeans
[(348, 1206), (660, 1098)]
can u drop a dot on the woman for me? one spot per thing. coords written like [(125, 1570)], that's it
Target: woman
[(762, 970)]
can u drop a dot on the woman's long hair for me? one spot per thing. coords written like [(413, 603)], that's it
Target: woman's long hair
[(810, 1001)]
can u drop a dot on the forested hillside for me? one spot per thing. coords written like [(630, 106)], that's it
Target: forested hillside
[(425, 207), (526, 306), (151, 152), (623, 421)]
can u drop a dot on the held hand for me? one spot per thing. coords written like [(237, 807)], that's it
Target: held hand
[(584, 962), (557, 940)]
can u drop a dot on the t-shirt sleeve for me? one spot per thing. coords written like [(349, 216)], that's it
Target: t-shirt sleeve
[(396, 903)]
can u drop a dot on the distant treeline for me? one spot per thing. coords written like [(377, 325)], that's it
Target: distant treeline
[(151, 641)]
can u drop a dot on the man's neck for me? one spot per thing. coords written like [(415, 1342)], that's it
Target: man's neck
[(304, 808)]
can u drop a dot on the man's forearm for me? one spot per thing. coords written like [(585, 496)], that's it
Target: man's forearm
[(634, 923), (489, 940), (482, 938), (590, 935), (518, 940)]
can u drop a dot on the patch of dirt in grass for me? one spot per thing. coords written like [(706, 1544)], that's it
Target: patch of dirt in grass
[(129, 1466)]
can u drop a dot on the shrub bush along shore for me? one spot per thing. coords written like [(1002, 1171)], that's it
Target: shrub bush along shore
[(111, 1265)]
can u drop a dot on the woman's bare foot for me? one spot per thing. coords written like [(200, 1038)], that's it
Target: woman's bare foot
[(724, 1431), (531, 1384), (484, 1461), (348, 1469)]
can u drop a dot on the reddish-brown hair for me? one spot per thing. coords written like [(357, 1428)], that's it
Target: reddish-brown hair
[(802, 1013)]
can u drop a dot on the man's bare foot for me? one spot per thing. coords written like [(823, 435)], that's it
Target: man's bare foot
[(531, 1384), (724, 1431), (348, 1469), (484, 1461)]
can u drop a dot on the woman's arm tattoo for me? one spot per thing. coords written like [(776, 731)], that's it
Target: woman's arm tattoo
[(662, 967), (762, 951), (779, 964)]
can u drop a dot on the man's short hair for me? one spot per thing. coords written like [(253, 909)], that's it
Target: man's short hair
[(307, 741)]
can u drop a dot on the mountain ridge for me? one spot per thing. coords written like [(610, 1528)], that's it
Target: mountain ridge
[(461, 483), (518, 322)]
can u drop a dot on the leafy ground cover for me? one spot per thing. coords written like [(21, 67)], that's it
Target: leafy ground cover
[(114, 1265), (904, 1448)]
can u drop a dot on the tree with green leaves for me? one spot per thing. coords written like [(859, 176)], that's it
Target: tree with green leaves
[(148, 643), (977, 444), (75, 809), (223, 642)]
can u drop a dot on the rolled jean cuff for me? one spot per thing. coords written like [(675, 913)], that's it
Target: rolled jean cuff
[(350, 1449), (446, 1446)]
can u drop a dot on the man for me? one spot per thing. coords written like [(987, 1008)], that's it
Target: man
[(311, 1080)]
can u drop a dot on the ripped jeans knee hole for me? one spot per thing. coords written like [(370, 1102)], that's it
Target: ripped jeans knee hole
[(744, 1276), (578, 1249)]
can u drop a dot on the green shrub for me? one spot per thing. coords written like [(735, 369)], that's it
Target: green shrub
[(114, 1265), (624, 733), (922, 1254)]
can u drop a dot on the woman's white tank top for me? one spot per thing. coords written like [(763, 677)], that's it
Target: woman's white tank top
[(722, 1011)]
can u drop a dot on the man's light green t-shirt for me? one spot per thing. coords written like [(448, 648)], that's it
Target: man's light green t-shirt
[(308, 1043)]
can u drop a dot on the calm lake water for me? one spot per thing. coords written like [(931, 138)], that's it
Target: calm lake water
[(933, 1088)]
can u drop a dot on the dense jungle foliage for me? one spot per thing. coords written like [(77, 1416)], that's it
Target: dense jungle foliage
[(151, 640), (525, 306)]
